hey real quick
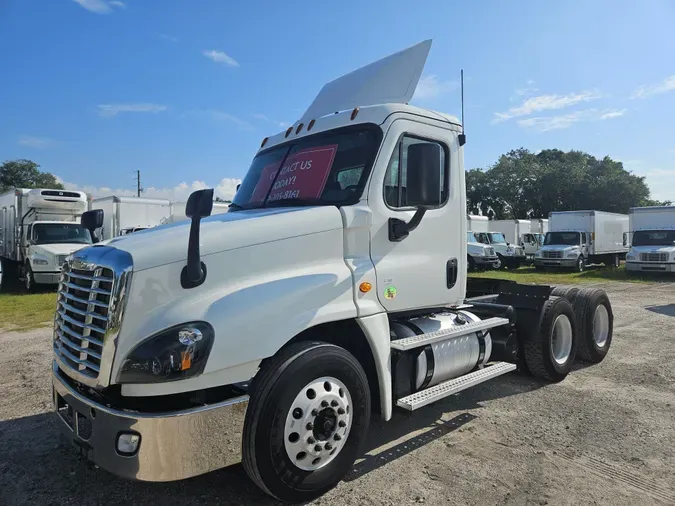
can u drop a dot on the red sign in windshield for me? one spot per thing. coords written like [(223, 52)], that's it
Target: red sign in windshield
[(303, 175)]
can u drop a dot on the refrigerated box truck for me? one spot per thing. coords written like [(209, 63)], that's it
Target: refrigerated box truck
[(652, 239), (39, 228), (578, 238), (125, 215)]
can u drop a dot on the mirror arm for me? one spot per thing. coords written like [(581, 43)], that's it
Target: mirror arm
[(399, 229)]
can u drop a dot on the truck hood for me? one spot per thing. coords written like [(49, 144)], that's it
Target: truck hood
[(223, 232), (559, 247), (653, 249), (57, 249)]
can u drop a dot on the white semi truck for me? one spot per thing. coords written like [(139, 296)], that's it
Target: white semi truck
[(578, 238), (509, 255), (39, 228), (124, 215), (519, 232), (271, 331), (653, 239)]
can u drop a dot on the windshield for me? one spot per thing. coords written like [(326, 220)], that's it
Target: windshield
[(482, 237), (324, 169), (471, 237), (55, 233), (497, 238), (564, 238), (654, 238)]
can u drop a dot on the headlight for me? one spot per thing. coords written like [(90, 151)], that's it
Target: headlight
[(630, 257), (482, 253), (39, 261), (573, 254), (174, 354)]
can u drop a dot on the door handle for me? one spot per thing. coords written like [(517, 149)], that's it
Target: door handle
[(451, 272)]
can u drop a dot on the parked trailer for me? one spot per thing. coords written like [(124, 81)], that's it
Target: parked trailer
[(509, 254), (38, 229), (652, 239), (519, 232), (577, 238), (124, 215), (188, 367)]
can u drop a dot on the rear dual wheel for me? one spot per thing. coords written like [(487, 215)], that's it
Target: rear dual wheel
[(307, 418)]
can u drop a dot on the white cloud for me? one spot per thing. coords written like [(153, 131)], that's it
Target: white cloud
[(528, 90), (108, 110), (431, 86), (262, 117), (168, 37), (117, 3), (220, 116), (648, 90), (97, 6), (221, 57), (225, 189), (544, 124), (546, 103), (36, 142)]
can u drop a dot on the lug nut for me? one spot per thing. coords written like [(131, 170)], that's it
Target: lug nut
[(315, 412), (342, 423), (334, 403), (317, 448), (310, 426), (310, 440), (341, 411), (337, 437), (329, 446), (324, 404)]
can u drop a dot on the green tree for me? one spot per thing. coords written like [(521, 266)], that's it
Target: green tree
[(25, 174)]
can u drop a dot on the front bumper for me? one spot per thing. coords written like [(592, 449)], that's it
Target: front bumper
[(565, 263), (485, 262), (47, 278), (513, 261), (650, 267), (173, 445)]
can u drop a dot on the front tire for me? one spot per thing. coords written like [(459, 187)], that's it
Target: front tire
[(500, 263), (28, 279), (303, 398), (581, 264), (549, 345)]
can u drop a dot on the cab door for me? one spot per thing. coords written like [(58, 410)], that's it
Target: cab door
[(419, 166)]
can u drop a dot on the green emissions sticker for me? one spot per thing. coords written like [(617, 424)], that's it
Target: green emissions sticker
[(390, 292)]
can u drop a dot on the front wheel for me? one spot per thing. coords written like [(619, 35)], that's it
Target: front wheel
[(500, 263), (306, 421), (581, 264), (28, 279)]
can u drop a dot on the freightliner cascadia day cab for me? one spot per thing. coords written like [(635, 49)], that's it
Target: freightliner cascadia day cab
[(578, 238), (39, 228), (335, 284), (653, 239), (509, 255)]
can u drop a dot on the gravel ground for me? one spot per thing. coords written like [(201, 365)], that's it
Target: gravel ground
[(605, 435)]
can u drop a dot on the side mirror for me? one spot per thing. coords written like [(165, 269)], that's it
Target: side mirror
[(92, 220), (423, 188), (199, 205)]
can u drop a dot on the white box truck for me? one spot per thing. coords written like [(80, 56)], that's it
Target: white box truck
[(480, 256), (518, 232), (39, 228), (509, 255), (269, 332), (124, 215), (578, 238), (652, 239)]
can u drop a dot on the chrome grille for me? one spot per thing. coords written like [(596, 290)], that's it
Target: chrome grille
[(552, 254), (654, 257), (82, 318), (90, 306)]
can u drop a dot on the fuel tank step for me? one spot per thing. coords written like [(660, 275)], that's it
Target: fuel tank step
[(437, 392), (409, 343)]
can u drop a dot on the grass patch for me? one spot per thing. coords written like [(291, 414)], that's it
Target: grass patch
[(25, 312), (592, 275)]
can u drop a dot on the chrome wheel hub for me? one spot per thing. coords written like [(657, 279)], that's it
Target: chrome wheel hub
[(600, 325), (561, 339), (318, 423)]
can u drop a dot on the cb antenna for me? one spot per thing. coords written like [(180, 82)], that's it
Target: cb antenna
[(462, 136)]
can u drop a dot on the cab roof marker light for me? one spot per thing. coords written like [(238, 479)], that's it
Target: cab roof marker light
[(311, 124), (288, 132), (355, 112), (264, 141), (297, 130)]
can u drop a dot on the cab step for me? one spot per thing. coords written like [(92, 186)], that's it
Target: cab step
[(453, 386), (409, 343)]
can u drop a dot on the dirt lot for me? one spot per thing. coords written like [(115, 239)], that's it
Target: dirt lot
[(605, 435)]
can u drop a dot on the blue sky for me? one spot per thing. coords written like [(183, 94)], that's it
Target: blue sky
[(185, 90)]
